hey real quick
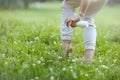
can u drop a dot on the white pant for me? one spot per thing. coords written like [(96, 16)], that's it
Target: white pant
[(68, 8)]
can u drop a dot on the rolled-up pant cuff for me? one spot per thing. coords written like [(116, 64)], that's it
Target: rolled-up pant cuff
[(66, 37), (90, 47)]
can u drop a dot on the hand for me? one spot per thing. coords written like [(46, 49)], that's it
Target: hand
[(71, 21)]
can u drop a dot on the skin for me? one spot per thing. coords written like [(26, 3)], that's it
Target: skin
[(71, 21)]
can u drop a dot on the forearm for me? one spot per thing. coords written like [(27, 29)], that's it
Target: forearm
[(83, 7)]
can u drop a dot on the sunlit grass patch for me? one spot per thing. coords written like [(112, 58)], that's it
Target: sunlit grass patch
[(30, 47)]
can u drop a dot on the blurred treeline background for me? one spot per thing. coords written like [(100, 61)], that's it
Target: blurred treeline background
[(18, 4)]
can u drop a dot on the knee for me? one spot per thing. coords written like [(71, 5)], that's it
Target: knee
[(90, 37), (90, 20)]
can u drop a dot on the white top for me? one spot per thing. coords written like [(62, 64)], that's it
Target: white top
[(94, 7)]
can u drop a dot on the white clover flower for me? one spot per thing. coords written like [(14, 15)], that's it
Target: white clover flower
[(113, 64), (51, 69), (3, 55), (45, 47), (60, 44), (54, 42), (115, 60), (116, 54), (77, 59), (73, 60), (104, 66), (22, 51), (15, 42), (100, 59), (33, 64), (50, 60), (70, 67), (74, 75), (36, 77), (42, 59), (71, 70), (86, 75), (19, 41), (6, 63), (48, 53), (38, 62), (31, 42), (36, 38), (52, 78), (68, 60), (59, 57), (64, 69), (96, 69), (25, 65), (18, 60), (55, 53)]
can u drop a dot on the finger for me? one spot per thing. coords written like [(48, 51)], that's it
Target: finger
[(66, 20), (73, 24), (68, 23)]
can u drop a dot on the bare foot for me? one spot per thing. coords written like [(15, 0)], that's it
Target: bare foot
[(66, 48), (69, 51), (88, 55)]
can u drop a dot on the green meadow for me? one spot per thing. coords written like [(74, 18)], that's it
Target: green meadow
[(30, 47)]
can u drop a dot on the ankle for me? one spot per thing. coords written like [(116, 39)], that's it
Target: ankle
[(88, 54), (66, 43), (66, 47)]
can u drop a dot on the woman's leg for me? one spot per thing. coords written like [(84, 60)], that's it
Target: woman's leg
[(89, 40), (90, 32), (66, 32)]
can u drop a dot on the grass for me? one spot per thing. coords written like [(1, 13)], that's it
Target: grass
[(30, 46)]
